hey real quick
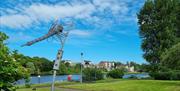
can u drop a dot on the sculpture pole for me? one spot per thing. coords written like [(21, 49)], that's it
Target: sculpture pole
[(62, 39)]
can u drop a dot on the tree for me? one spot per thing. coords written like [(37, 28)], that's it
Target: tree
[(92, 74), (30, 66), (116, 73), (144, 68), (43, 64), (159, 28), (77, 67), (37, 64), (116, 64), (23, 60), (171, 57), (10, 70), (136, 66), (62, 69)]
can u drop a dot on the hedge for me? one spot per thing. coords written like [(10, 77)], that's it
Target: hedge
[(169, 75)]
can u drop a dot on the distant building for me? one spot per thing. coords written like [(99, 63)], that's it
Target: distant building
[(130, 68), (87, 63), (67, 62), (127, 67), (106, 65)]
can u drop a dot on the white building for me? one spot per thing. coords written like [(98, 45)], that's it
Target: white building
[(106, 65), (130, 68)]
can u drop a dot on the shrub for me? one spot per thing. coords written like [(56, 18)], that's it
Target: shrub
[(116, 73), (175, 75), (161, 75), (92, 74), (169, 75)]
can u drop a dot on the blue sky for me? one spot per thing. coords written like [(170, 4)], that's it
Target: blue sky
[(104, 30)]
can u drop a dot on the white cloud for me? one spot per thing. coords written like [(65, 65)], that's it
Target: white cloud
[(84, 33), (41, 12), (15, 21), (46, 12), (30, 15)]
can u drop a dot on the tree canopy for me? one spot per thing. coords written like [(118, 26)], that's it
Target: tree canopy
[(10, 70), (159, 28), (171, 58)]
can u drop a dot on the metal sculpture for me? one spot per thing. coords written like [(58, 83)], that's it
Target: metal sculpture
[(56, 30)]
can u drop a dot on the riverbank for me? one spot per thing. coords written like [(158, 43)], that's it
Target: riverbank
[(113, 85)]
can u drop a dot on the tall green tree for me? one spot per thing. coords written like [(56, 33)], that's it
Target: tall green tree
[(10, 70), (171, 57), (30, 66), (159, 28), (23, 60)]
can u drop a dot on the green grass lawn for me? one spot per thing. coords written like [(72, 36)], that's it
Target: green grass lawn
[(30, 89), (130, 85), (118, 85)]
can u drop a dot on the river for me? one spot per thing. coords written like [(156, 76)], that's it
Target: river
[(61, 78)]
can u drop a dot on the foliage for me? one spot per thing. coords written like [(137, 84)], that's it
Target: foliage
[(137, 67), (161, 75), (116, 73), (35, 65), (62, 69), (168, 75), (92, 74), (159, 28), (30, 66), (10, 70), (66, 68), (144, 68), (171, 57), (175, 75), (42, 64), (116, 64)]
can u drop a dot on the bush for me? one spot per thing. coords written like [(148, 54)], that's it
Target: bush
[(175, 75), (169, 75), (116, 73), (92, 74), (161, 75)]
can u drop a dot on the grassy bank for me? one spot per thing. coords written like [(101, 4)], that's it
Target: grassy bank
[(115, 85), (44, 87), (130, 85)]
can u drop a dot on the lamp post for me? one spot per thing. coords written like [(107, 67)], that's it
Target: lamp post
[(95, 73), (39, 79), (81, 66)]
